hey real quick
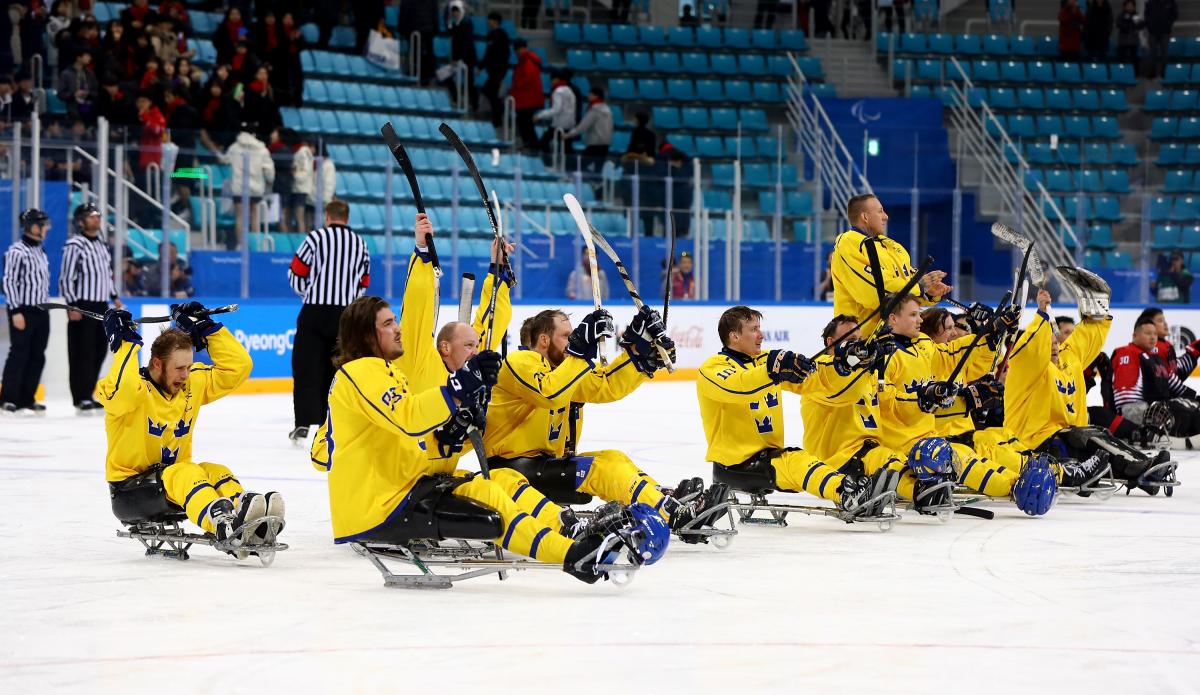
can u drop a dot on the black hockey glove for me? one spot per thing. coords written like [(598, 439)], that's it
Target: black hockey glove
[(784, 365), (935, 395), (452, 434), (647, 323), (584, 342), (855, 354), (190, 318), (979, 316), (119, 328), (645, 356), (479, 373), (1004, 323), (984, 394)]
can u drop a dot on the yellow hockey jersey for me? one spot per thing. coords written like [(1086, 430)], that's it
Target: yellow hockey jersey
[(842, 417), (537, 410), (1041, 397), (854, 289), (956, 419), (918, 361), (374, 440), (146, 427), (741, 406)]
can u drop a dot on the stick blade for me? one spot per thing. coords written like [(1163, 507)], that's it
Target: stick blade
[(1009, 236), (389, 134), (1037, 271)]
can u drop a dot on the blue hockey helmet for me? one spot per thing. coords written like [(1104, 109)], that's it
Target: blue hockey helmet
[(650, 534), (1035, 490), (931, 459)]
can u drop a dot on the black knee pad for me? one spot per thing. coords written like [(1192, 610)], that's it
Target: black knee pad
[(553, 477), (141, 498), (755, 475)]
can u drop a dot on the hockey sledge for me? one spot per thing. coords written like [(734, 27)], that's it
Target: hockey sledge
[(164, 537), (1163, 474), (703, 528)]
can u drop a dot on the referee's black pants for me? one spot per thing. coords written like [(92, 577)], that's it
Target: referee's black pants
[(26, 357), (312, 361), (86, 345)]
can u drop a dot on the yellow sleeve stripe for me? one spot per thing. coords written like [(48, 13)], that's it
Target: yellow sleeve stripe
[(538, 391), (445, 394)]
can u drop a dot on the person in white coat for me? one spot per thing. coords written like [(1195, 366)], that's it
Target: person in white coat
[(561, 113), (248, 151), (305, 173)]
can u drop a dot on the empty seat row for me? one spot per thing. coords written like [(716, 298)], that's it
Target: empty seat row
[(795, 203), (471, 219), (1055, 99), (373, 186), (1172, 128), (1096, 208), (1182, 74), (1184, 47), (1025, 126), (966, 44), (710, 146), (1179, 100), (1016, 72), (1113, 260), (1074, 153), (1182, 181), (332, 64), (431, 159), (755, 175), (629, 35), (361, 123), (702, 118), (1172, 154), (714, 91), (1085, 180), (1174, 236), (669, 63), (343, 93), (1175, 209)]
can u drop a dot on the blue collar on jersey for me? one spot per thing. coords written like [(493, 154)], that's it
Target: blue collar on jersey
[(740, 357)]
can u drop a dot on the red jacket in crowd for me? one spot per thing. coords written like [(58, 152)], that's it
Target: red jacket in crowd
[(154, 125), (526, 88), (1070, 30)]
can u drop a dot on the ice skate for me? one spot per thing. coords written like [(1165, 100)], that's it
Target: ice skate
[(872, 498), (695, 520), (1088, 477)]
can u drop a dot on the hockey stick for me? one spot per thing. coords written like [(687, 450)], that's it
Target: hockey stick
[(465, 297), (228, 308), (1037, 275), (581, 222), (600, 241), (465, 154), (971, 348), (883, 310), (1005, 232), (877, 276), (397, 149)]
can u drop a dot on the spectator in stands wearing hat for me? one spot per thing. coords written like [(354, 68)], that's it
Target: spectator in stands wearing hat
[(1070, 30), (1097, 29), (250, 170), (596, 128), (495, 64), (561, 114), (1160, 22), (526, 91)]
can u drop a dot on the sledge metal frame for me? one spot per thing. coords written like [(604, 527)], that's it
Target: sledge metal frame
[(758, 503), (167, 539), (721, 538), (941, 512)]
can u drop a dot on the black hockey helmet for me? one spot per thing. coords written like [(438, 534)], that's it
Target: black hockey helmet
[(82, 212), (31, 217)]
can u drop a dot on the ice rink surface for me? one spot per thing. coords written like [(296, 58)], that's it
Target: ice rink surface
[(1096, 597)]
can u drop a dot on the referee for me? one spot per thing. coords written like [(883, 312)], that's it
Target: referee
[(86, 282), (26, 285), (330, 269)]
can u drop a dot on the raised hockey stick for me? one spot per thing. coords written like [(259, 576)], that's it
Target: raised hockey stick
[(397, 148), (228, 308), (971, 348), (465, 154), (882, 310), (880, 293), (1006, 234), (581, 222), (466, 296), (600, 241)]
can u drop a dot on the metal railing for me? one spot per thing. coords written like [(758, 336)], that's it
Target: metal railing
[(1033, 212), (132, 187)]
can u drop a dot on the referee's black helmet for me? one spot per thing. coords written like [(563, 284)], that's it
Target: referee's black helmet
[(83, 212), (31, 217)]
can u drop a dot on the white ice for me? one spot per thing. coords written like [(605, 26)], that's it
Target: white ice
[(1096, 597)]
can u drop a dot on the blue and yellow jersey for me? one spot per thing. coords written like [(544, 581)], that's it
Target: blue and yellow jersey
[(1041, 397), (956, 419), (741, 406), (420, 362), (845, 414), (854, 289), (917, 361), (374, 442), (531, 411), (145, 426)]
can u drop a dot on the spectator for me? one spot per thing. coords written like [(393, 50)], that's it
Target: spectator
[(824, 291), (620, 11), (117, 52), (258, 103), (228, 33), (302, 183), (247, 150), (182, 119), (495, 63), (288, 73), (1129, 24), (154, 127), (1070, 30), (179, 285), (133, 279), (764, 13), (561, 114), (138, 16), (822, 18), (244, 64), (529, 13), (367, 15), (114, 104), (579, 282), (1160, 21), (1174, 282), (420, 16), (24, 103), (58, 23), (462, 48), (642, 141), (219, 117), (596, 129), (683, 278), (326, 16), (1097, 29), (526, 91), (166, 41), (284, 156), (176, 11), (266, 37), (687, 19), (326, 170), (78, 88), (150, 77)]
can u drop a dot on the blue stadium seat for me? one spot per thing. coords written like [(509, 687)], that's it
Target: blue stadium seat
[(1164, 128), (695, 118), (342, 37), (710, 147), (1185, 209), (809, 65), (1076, 127), (1104, 208), (921, 91), (1049, 125), (793, 40), (1099, 236), (1164, 237), (638, 61), (767, 201), (1189, 128), (621, 89), (1088, 181), (1022, 126), (799, 203), (667, 62), (929, 70), (652, 36), (1070, 153), (567, 33), (764, 39), (717, 200), (968, 44), (708, 36), (724, 64), (767, 92), (665, 117), (315, 92), (752, 64), (738, 91), (695, 63), (941, 44), (1106, 127), (1178, 73), (1059, 181), (710, 91), (1191, 156), (1160, 209), (737, 38), (1189, 238), (1022, 46), (976, 96), (681, 90), (652, 90), (913, 43), (1113, 100), (985, 71), (622, 34), (596, 34), (608, 61), (754, 120), (996, 45), (883, 40), (681, 37), (1041, 153), (724, 119), (1033, 177), (1183, 100), (1178, 181), (1122, 74), (1031, 99), (1095, 73), (1068, 73), (1096, 153), (1170, 154), (1002, 98), (1086, 100), (1041, 72), (1045, 46), (1058, 99), (1013, 71), (1116, 181), (901, 69), (822, 90), (757, 175)]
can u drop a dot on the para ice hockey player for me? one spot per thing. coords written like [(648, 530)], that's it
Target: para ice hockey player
[(740, 392), (1148, 391), (151, 415)]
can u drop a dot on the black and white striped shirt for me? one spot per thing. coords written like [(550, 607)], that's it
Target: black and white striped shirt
[(87, 273), (332, 266), (26, 274)]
